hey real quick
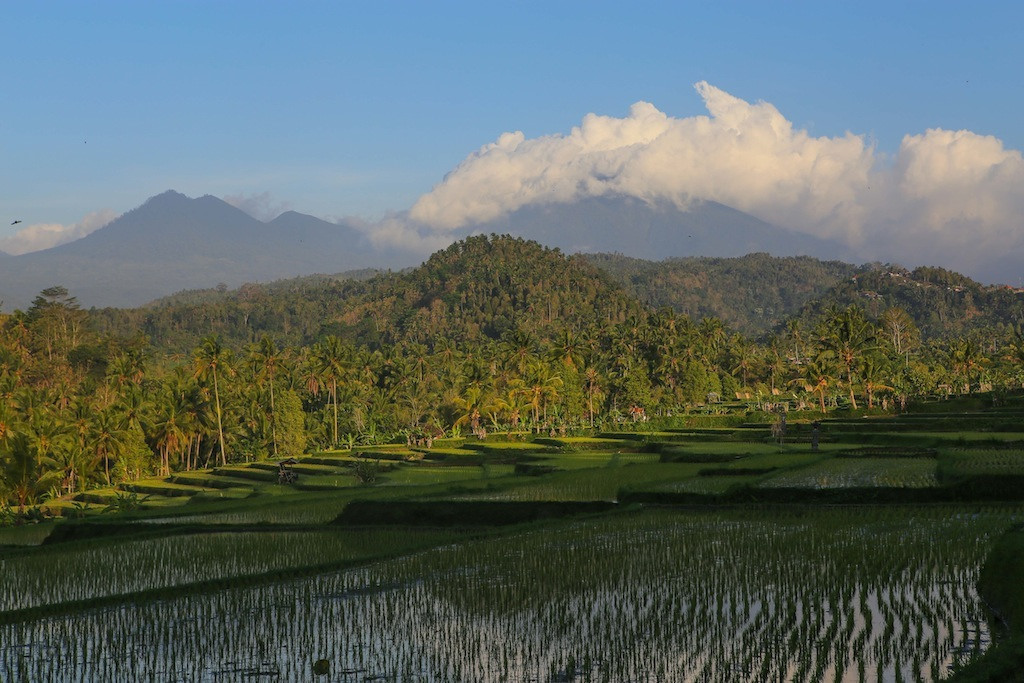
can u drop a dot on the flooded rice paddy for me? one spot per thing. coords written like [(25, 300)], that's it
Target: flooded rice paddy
[(845, 594)]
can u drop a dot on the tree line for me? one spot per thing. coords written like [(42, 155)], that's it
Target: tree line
[(82, 408)]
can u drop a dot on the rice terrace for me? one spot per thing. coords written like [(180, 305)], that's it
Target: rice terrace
[(706, 547), (532, 342)]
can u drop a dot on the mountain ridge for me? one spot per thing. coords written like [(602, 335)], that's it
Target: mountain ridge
[(172, 242), (657, 229)]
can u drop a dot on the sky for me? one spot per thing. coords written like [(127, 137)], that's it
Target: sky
[(873, 122)]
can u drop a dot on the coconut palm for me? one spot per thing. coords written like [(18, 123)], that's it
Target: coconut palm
[(211, 359), (592, 379), (26, 472), (966, 360), (107, 438), (268, 360), (848, 336), (874, 372), (816, 377), (331, 360)]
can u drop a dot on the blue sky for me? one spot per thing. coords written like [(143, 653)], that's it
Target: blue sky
[(339, 109)]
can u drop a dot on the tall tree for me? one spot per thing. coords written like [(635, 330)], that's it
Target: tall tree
[(268, 360), (848, 336), (331, 359), (211, 359)]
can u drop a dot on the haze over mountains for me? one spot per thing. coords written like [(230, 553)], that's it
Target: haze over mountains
[(172, 242)]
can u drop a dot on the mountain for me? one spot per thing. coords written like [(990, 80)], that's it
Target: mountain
[(751, 294), (656, 230), (173, 242)]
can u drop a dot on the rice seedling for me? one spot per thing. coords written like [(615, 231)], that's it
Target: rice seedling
[(703, 485), (587, 484), (858, 473), (55, 575), (418, 476), (758, 595), (972, 462)]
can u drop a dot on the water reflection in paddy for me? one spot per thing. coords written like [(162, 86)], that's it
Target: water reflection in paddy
[(842, 594)]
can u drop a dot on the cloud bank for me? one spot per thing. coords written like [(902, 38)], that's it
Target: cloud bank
[(951, 188), (40, 236)]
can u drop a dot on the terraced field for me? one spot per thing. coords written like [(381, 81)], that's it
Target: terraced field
[(728, 592)]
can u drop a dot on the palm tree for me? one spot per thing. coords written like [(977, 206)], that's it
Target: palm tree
[(817, 376), (796, 334), (567, 349), (107, 438), (744, 357), (540, 388), (168, 427), (848, 336), (1015, 353), (476, 403), (210, 357), (267, 357), (874, 370), (520, 347), (593, 388), (965, 359), (26, 472), (332, 361)]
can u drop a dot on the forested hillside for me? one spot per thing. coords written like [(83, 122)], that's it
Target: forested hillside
[(941, 303), (478, 288), (490, 333), (751, 294), (482, 287)]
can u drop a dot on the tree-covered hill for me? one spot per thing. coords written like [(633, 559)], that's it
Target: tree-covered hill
[(941, 303), (751, 294), (481, 287)]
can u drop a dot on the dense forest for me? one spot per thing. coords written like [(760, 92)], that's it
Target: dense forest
[(490, 334), (751, 294)]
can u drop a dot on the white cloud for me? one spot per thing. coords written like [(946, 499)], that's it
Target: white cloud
[(746, 156), (260, 206), (951, 187), (40, 236)]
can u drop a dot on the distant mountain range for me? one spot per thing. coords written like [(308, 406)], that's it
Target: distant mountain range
[(658, 230), (173, 243)]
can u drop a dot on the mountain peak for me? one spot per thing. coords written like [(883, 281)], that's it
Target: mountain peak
[(164, 197)]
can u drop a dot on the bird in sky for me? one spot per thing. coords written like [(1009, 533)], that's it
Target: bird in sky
[(15, 222)]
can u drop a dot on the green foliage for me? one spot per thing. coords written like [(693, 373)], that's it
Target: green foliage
[(491, 336), (366, 471), (125, 502), (752, 294), (290, 424)]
